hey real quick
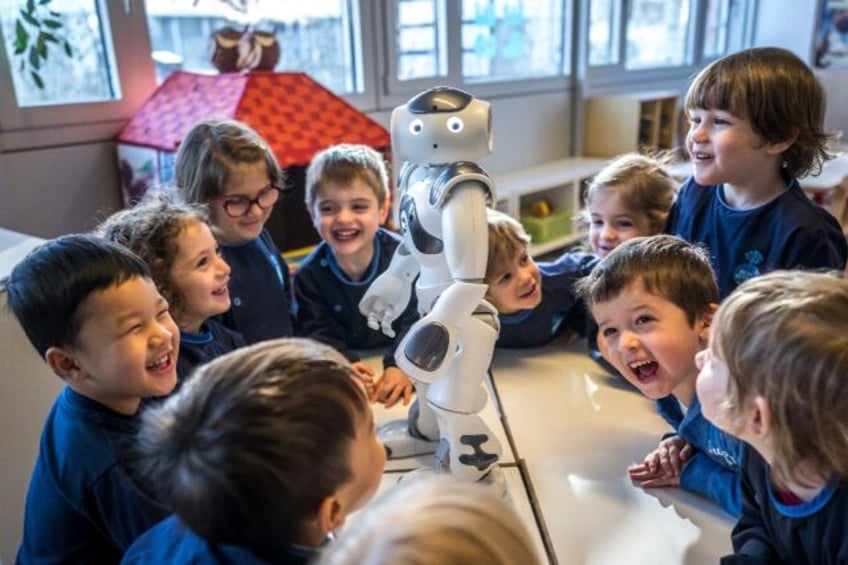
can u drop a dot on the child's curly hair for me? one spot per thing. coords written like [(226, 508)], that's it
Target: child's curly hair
[(151, 229)]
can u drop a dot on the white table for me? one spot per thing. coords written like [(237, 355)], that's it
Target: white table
[(575, 429)]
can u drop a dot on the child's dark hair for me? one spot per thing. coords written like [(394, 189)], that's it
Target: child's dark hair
[(777, 93), (211, 149), (45, 290), (150, 229), (344, 163), (782, 336), (248, 449), (664, 265)]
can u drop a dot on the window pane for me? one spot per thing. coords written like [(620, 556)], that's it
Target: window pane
[(86, 76), (658, 34), (715, 30), (420, 37), (316, 36), (603, 32), (511, 39)]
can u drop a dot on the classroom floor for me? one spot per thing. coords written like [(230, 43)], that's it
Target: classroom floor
[(569, 431)]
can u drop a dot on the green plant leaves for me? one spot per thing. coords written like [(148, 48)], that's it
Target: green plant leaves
[(35, 27)]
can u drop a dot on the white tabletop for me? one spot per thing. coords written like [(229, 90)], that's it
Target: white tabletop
[(577, 429)]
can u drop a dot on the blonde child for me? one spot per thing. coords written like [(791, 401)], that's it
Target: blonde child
[(653, 299), (260, 456), (776, 376), (227, 166), (757, 123), (535, 301), (435, 520), (91, 310), (176, 241), (630, 197), (347, 195)]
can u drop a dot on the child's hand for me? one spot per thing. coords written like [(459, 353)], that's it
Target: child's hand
[(662, 466), (393, 386), (366, 376)]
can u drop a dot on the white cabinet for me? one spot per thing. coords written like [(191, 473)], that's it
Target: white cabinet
[(560, 184)]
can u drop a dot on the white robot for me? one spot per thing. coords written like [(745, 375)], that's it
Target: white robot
[(443, 199)]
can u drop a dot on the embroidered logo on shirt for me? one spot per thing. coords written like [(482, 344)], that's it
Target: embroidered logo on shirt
[(750, 269)]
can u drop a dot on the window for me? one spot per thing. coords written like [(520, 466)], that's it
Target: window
[(37, 35), (477, 41), (318, 37), (662, 34)]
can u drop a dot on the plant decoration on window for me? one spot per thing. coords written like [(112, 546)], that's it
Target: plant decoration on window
[(36, 27)]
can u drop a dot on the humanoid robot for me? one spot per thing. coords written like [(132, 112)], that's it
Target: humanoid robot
[(443, 198)]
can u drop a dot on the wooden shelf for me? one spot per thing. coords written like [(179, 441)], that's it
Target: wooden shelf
[(645, 121)]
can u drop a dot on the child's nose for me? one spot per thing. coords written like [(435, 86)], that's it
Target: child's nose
[(628, 341)]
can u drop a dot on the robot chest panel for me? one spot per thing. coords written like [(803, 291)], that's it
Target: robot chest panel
[(420, 224)]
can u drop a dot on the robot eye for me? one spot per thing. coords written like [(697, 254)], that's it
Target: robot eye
[(416, 127), (455, 124)]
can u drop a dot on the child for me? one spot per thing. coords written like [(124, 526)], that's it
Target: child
[(783, 390), (90, 308), (535, 302), (261, 455), (630, 197), (756, 124), (176, 242), (225, 164), (653, 299), (347, 197), (435, 520)]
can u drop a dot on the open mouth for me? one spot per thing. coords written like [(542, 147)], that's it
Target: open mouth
[(530, 293), (701, 156), (345, 235), (221, 291), (644, 370), (161, 364)]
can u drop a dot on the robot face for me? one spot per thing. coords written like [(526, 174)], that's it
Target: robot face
[(442, 125)]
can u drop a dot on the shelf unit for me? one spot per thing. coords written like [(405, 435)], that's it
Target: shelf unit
[(630, 122), (560, 183)]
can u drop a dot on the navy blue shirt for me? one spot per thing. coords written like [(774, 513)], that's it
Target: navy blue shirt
[(714, 470), (770, 531), (196, 349), (559, 310), (789, 232), (328, 301), (82, 505), (260, 290), (171, 541)]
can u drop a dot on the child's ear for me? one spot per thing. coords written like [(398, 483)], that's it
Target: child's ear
[(780, 147), (384, 210), (758, 418), (63, 364), (331, 514), (706, 322)]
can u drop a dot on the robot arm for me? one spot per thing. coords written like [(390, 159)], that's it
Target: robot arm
[(387, 297)]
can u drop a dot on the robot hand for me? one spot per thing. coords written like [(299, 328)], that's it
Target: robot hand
[(389, 294)]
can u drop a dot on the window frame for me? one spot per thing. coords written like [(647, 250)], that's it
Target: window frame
[(45, 126), (598, 78), (395, 91)]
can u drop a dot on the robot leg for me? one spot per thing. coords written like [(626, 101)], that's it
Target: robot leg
[(468, 448), (417, 435)]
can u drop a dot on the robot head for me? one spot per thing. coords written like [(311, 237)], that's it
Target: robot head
[(442, 125)]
